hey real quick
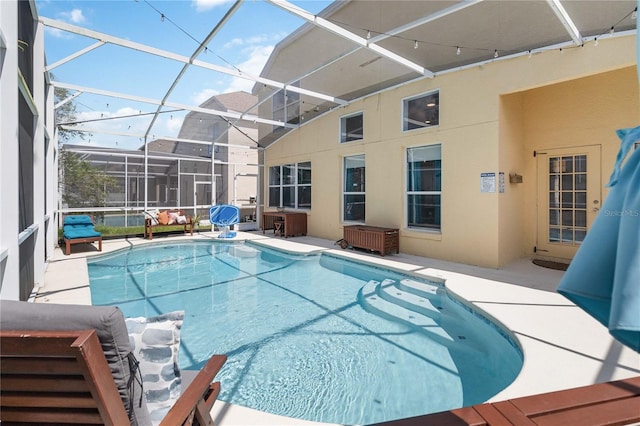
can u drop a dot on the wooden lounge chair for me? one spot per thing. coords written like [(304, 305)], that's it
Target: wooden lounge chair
[(79, 229), (63, 377)]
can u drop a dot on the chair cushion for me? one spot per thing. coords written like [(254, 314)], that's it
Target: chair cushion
[(155, 342), (80, 219), (110, 327), (173, 218), (80, 231), (163, 218)]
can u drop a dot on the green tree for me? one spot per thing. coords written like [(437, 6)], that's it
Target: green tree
[(66, 113), (81, 184)]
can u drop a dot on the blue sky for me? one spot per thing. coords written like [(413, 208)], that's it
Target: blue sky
[(244, 43)]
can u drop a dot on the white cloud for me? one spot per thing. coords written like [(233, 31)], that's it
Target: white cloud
[(54, 32), (260, 39), (173, 125), (203, 95), (258, 56), (74, 16), (233, 43), (203, 5)]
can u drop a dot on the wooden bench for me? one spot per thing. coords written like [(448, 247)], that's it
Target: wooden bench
[(382, 240), (63, 377), (611, 403), (151, 223)]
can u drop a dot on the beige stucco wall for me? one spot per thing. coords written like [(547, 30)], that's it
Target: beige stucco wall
[(580, 112), (490, 121)]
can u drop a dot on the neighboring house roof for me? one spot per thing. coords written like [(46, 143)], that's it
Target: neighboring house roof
[(161, 145), (207, 127), (242, 102)]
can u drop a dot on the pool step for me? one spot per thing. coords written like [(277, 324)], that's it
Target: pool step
[(372, 301), (418, 297)]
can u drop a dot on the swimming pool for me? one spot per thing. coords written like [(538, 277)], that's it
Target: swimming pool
[(314, 337)]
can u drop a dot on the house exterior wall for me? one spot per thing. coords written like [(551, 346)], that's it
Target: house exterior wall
[(490, 121), (9, 224), (24, 252)]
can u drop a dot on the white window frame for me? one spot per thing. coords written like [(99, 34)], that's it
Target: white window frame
[(345, 193), (343, 136), (295, 185), (404, 122), (408, 193)]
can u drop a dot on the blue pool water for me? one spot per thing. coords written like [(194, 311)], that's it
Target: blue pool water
[(314, 337)]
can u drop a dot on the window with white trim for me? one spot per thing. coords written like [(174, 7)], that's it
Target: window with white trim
[(424, 187), (352, 127), (353, 191), (421, 111), (290, 185)]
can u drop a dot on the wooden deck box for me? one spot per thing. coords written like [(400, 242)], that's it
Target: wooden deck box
[(383, 240)]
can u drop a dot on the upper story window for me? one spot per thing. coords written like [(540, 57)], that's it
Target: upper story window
[(351, 127), (421, 111), (290, 185), (286, 106)]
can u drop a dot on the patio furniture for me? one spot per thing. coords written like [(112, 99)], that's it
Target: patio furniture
[(78, 229), (69, 364), (167, 218), (611, 403), (374, 238), (223, 216), (293, 223), (277, 227)]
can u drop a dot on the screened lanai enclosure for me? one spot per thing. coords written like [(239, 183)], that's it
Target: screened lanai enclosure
[(120, 187)]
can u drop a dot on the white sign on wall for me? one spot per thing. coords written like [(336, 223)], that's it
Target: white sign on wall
[(488, 182)]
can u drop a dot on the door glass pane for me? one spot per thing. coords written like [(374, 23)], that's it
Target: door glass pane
[(580, 163), (567, 199)]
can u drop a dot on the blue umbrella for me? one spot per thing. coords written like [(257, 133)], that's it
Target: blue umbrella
[(604, 276)]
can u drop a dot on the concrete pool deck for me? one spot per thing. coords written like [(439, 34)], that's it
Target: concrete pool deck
[(563, 347)]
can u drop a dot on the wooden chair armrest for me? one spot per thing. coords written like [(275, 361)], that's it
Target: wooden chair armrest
[(197, 399)]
